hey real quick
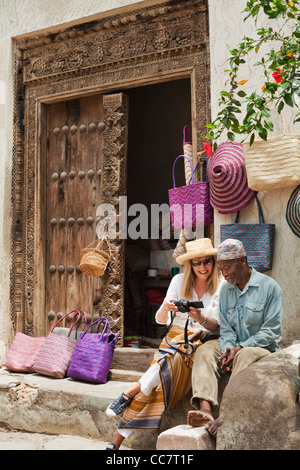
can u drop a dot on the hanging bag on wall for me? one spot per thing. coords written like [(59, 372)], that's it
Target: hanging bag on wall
[(258, 240), (23, 352), (56, 353), (274, 163), (93, 354), (189, 204)]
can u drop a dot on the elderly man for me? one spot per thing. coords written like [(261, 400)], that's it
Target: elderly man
[(250, 329)]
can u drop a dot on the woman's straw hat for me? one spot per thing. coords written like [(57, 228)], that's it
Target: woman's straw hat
[(196, 249)]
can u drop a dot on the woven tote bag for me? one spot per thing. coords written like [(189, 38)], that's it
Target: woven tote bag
[(55, 355), (258, 240), (93, 354), (23, 352), (190, 205), (274, 163)]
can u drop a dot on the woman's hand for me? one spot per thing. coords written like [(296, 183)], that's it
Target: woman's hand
[(208, 323), (167, 307), (196, 314)]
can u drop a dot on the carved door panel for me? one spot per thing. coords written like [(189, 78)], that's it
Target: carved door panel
[(78, 157)]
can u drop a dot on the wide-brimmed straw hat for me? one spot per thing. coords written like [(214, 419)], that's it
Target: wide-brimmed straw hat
[(196, 249), (228, 184), (293, 211)]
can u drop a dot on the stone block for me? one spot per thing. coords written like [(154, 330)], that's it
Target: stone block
[(185, 437)]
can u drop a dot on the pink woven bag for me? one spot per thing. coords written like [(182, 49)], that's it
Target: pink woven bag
[(190, 205), (23, 352), (55, 355)]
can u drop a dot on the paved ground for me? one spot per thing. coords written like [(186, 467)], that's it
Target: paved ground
[(31, 441)]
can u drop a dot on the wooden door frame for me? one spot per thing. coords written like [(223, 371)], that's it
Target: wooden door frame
[(170, 51)]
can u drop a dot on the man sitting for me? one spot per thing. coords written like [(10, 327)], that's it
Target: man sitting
[(250, 329)]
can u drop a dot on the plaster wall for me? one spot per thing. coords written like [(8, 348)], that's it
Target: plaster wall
[(228, 28), (22, 17)]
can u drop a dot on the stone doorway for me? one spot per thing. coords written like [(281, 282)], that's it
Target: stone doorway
[(147, 46)]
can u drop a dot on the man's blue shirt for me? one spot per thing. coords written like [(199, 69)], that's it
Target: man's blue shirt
[(251, 317)]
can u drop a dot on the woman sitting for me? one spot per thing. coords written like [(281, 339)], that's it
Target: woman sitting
[(169, 377)]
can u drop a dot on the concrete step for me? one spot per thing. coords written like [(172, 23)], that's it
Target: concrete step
[(138, 359), (18, 440), (44, 405)]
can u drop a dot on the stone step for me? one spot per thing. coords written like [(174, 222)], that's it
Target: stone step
[(40, 404), (138, 359), (124, 375)]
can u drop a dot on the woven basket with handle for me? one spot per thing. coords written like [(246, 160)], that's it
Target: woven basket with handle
[(94, 261)]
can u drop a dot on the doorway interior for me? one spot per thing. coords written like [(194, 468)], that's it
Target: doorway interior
[(157, 116)]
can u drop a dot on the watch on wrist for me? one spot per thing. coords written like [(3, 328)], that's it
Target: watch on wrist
[(204, 321)]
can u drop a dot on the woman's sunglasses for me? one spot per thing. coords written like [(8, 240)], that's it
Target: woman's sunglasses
[(205, 262)]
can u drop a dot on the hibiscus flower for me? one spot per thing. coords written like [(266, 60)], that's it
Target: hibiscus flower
[(277, 75), (208, 149)]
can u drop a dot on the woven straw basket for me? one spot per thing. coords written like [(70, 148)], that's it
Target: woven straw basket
[(274, 163), (94, 261)]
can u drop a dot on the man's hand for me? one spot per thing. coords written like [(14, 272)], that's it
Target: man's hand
[(227, 359)]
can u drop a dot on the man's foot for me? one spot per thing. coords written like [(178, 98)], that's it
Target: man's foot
[(197, 418), (212, 427)]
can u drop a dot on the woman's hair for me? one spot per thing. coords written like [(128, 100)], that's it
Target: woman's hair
[(189, 278)]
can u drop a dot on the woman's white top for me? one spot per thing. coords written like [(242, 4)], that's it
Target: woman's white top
[(210, 302)]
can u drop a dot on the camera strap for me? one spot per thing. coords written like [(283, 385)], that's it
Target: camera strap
[(186, 342)]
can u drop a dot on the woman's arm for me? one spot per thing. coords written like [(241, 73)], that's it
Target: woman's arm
[(162, 314), (173, 293)]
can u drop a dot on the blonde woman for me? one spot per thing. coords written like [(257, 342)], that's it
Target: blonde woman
[(169, 377)]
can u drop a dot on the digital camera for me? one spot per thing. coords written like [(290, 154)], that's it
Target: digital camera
[(184, 305)]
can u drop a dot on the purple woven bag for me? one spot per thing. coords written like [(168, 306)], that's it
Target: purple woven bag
[(93, 354), (190, 204)]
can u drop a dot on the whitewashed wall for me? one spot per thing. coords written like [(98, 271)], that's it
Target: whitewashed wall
[(19, 17), (227, 29)]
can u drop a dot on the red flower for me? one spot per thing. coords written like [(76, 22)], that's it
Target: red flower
[(208, 149), (277, 75)]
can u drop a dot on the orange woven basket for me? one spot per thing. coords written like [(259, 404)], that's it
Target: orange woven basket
[(94, 261)]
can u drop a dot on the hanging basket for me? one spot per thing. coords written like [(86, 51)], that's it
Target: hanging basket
[(94, 261), (274, 163)]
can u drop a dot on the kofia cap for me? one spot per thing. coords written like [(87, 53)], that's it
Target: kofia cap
[(230, 249)]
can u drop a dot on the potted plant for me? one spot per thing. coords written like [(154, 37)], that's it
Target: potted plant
[(249, 115)]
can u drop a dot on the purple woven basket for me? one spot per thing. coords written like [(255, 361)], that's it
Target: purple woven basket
[(93, 354)]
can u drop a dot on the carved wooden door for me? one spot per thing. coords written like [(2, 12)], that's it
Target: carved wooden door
[(81, 138)]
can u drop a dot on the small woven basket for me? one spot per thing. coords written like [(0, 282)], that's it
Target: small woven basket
[(94, 261)]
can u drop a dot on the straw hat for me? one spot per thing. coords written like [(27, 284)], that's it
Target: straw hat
[(196, 249), (293, 211), (228, 185)]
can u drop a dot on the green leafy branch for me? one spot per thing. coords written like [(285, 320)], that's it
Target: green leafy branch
[(280, 69)]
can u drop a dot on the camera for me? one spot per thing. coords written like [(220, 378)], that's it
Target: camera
[(184, 305)]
